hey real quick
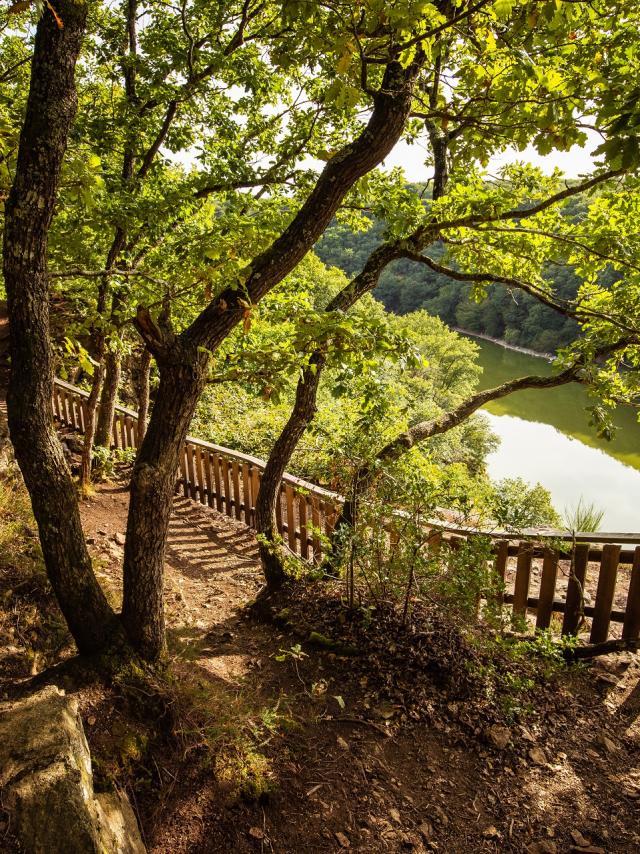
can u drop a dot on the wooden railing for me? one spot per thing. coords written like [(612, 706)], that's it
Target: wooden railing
[(544, 572), (225, 480)]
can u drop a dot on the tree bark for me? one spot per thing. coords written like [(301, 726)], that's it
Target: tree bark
[(90, 422), (109, 398), (183, 360), (271, 551), (51, 108), (142, 390), (152, 489)]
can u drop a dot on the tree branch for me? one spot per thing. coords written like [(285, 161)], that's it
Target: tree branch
[(240, 184), (567, 308), (562, 306), (518, 214), (169, 116), (426, 429), (392, 105), (6, 74), (563, 238)]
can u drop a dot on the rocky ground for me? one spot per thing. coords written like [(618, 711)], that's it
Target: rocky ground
[(263, 742)]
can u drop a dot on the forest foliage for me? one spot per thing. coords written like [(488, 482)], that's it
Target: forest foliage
[(517, 319), (188, 160)]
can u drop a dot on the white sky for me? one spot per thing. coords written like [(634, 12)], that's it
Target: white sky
[(573, 163)]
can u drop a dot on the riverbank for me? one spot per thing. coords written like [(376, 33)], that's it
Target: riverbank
[(524, 350)]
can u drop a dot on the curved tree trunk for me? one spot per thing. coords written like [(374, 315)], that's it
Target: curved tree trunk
[(183, 360), (271, 552), (109, 398), (304, 411), (50, 112)]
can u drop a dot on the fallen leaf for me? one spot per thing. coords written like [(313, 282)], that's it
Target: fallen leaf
[(538, 756), (579, 839), (542, 846)]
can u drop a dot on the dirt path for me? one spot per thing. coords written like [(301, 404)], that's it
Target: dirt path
[(307, 760), (342, 775)]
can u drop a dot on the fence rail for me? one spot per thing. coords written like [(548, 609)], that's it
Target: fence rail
[(544, 572)]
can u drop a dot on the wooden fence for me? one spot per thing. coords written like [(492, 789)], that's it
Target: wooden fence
[(225, 480), (590, 575)]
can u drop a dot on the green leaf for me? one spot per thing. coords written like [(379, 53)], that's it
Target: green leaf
[(503, 8)]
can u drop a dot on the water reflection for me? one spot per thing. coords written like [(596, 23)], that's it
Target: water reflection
[(567, 468), (563, 407)]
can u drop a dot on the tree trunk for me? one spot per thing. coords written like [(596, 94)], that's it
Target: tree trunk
[(142, 389), (90, 422), (303, 412), (183, 360), (50, 112), (152, 489), (271, 552), (113, 368)]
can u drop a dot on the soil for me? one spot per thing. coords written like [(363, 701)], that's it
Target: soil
[(274, 744)]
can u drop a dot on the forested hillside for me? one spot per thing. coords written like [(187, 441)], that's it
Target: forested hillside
[(516, 318), (259, 662)]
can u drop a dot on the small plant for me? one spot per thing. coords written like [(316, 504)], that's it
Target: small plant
[(583, 516), (102, 463), (295, 652), (245, 773), (106, 461), (411, 561)]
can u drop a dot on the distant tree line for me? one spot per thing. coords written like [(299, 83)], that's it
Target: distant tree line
[(511, 316)]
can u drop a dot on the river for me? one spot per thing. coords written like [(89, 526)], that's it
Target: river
[(545, 437)]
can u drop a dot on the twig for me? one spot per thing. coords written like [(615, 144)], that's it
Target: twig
[(364, 722)]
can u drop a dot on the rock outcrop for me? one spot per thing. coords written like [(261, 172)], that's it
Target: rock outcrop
[(47, 783)]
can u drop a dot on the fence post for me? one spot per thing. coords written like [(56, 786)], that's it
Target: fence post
[(605, 593), (547, 588), (575, 589), (291, 518), (631, 626), (523, 578), (500, 567)]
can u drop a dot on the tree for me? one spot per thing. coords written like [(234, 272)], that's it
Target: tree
[(466, 215), (341, 82), (50, 111), (312, 36)]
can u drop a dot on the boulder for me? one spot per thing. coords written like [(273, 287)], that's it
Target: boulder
[(47, 783)]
